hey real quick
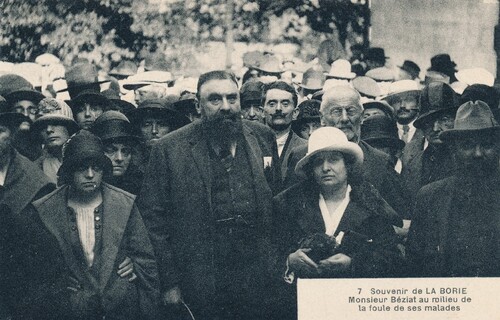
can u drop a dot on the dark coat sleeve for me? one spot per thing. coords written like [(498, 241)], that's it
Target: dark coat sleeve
[(140, 250), (154, 205)]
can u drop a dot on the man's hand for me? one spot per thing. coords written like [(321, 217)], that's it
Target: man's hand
[(300, 263), (126, 268), (172, 296), (336, 263)]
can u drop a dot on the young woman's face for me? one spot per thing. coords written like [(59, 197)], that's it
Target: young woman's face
[(87, 178)]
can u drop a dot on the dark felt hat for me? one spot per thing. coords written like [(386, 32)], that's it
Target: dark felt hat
[(158, 108), (81, 148), (442, 63), (436, 98), (121, 105), (382, 105), (381, 130), (186, 104), (251, 93), (82, 77), (10, 83), (411, 67), (91, 97), (376, 54), (481, 92), (472, 117), (113, 125)]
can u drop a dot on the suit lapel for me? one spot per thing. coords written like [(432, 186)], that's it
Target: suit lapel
[(53, 213), (115, 217), (310, 219), (200, 154)]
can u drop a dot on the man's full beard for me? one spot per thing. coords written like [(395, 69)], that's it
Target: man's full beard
[(223, 128)]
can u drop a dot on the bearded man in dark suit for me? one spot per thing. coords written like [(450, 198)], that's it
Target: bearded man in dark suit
[(207, 201)]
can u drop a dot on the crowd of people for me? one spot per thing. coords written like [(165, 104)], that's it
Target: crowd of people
[(140, 195)]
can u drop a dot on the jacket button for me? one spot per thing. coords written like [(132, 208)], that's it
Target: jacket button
[(97, 218), (98, 226)]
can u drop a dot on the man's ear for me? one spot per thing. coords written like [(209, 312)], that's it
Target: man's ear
[(197, 106), (295, 113)]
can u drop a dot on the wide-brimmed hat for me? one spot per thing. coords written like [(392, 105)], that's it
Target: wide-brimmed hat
[(328, 139), (482, 92), (82, 147), (411, 67), (156, 62), (147, 78), (121, 105), (80, 77), (380, 74), (402, 86), (24, 94), (251, 93), (54, 111), (376, 54), (381, 131), (382, 105), (442, 63), (472, 117), (475, 76), (12, 82), (269, 64), (313, 79), (91, 97), (436, 98), (366, 86), (124, 69), (113, 125), (157, 108), (341, 69)]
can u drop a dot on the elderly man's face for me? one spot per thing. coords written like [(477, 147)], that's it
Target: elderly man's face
[(279, 109), (478, 154), (87, 113), (406, 106), (341, 108), (220, 100), (434, 127)]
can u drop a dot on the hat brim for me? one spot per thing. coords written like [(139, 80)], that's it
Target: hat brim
[(348, 76), (454, 134), (390, 96), (386, 141), (69, 166), (350, 148), (83, 85), (172, 116), (272, 72), (39, 123), (30, 95), (419, 123), (310, 88)]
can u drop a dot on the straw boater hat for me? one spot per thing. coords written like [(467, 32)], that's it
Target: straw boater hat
[(366, 86), (147, 78), (328, 139), (472, 117), (402, 86)]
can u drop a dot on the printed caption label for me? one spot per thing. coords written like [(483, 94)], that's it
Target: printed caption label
[(399, 299)]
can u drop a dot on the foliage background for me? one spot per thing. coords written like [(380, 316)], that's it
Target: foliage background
[(106, 31)]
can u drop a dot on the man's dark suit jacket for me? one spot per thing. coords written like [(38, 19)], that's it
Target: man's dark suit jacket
[(292, 142), (175, 202), (428, 238), (377, 171)]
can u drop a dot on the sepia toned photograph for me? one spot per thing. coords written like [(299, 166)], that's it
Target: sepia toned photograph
[(249, 159)]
